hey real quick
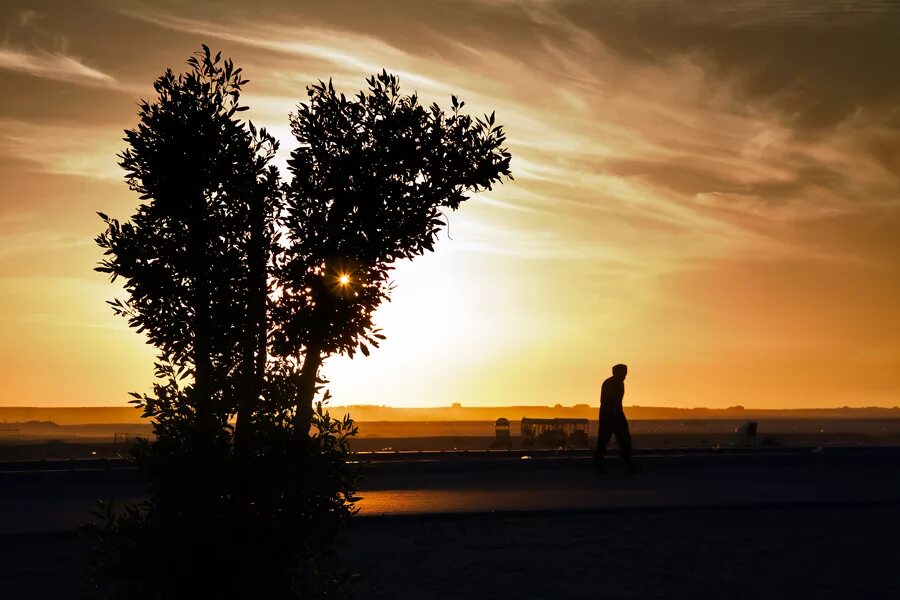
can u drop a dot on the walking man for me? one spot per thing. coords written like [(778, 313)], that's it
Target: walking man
[(612, 420)]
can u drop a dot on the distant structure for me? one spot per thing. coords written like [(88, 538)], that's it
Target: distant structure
[(747, 432), (127, 439), (502, 438), (555, 433)]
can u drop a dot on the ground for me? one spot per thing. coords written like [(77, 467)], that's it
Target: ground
[(747, 553), (757, 525), (738, 553)]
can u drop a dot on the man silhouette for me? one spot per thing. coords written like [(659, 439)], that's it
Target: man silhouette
[(612, 420)]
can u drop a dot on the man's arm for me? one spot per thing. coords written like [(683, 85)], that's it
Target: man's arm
[(611, 394)]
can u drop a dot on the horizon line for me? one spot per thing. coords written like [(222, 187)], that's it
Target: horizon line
[(487, 407)]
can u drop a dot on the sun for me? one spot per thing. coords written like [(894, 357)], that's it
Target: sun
[(344, 279)]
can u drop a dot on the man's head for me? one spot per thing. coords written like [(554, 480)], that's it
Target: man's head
[(620, 371)]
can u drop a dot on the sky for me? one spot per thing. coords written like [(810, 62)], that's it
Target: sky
[(707, 191)]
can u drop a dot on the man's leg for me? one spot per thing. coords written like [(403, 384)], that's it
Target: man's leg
[(623, 440), (604, 432)]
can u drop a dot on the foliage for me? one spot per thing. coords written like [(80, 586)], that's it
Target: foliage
[(370, 178), (235, 278), (224, 519), (198, 537), (209, 198)]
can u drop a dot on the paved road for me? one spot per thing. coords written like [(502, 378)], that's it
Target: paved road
[(665, 481), (50, 501)]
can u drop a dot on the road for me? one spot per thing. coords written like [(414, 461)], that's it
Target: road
[(671, 480), (54, 501)]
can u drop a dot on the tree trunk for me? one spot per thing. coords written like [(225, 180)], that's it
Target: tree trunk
[(198, 235), (308, 379), (254, 360)]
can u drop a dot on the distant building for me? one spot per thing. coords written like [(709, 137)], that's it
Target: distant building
[(502, 438), (555, 433), (747, 432), (456, 405)]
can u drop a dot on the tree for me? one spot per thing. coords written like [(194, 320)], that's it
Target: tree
[(194, 256), (370, 178), (195, 260), (244, 286)]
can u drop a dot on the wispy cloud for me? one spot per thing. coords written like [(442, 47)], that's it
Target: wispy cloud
[(368, 54), (43, 299), (741, 13), (22, 244), (659, 162), (28, 18), (60, 150), (608, 149), (54, 65), (695, 180)]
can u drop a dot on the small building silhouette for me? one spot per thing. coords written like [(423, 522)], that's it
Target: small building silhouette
[(555, 433), (502, 438), (747, 433)]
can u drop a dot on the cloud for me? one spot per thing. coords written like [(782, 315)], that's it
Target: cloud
[(694, 179), (661, 133), (816, 62), (357, 53), (54, 65), (46, 300), (28, 18), (63, 150)]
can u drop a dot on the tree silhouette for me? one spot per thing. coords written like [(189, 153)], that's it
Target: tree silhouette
[(245, 285), (194, 256), (369, 179)]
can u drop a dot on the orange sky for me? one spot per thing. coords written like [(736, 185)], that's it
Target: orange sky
[(707, 191)]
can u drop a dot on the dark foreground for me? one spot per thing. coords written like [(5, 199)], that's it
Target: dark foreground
[(712, 553), (745, 553), (761, 525)]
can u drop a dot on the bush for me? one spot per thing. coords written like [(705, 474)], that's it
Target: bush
[(219, 526)]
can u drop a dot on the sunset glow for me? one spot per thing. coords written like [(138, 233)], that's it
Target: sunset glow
[(717, 210)]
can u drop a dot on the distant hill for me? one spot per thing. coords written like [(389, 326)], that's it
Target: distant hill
[(368, 413), (71, 415)]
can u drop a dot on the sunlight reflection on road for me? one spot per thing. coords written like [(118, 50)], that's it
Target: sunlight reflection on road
[(718, 487), (430, 501)]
